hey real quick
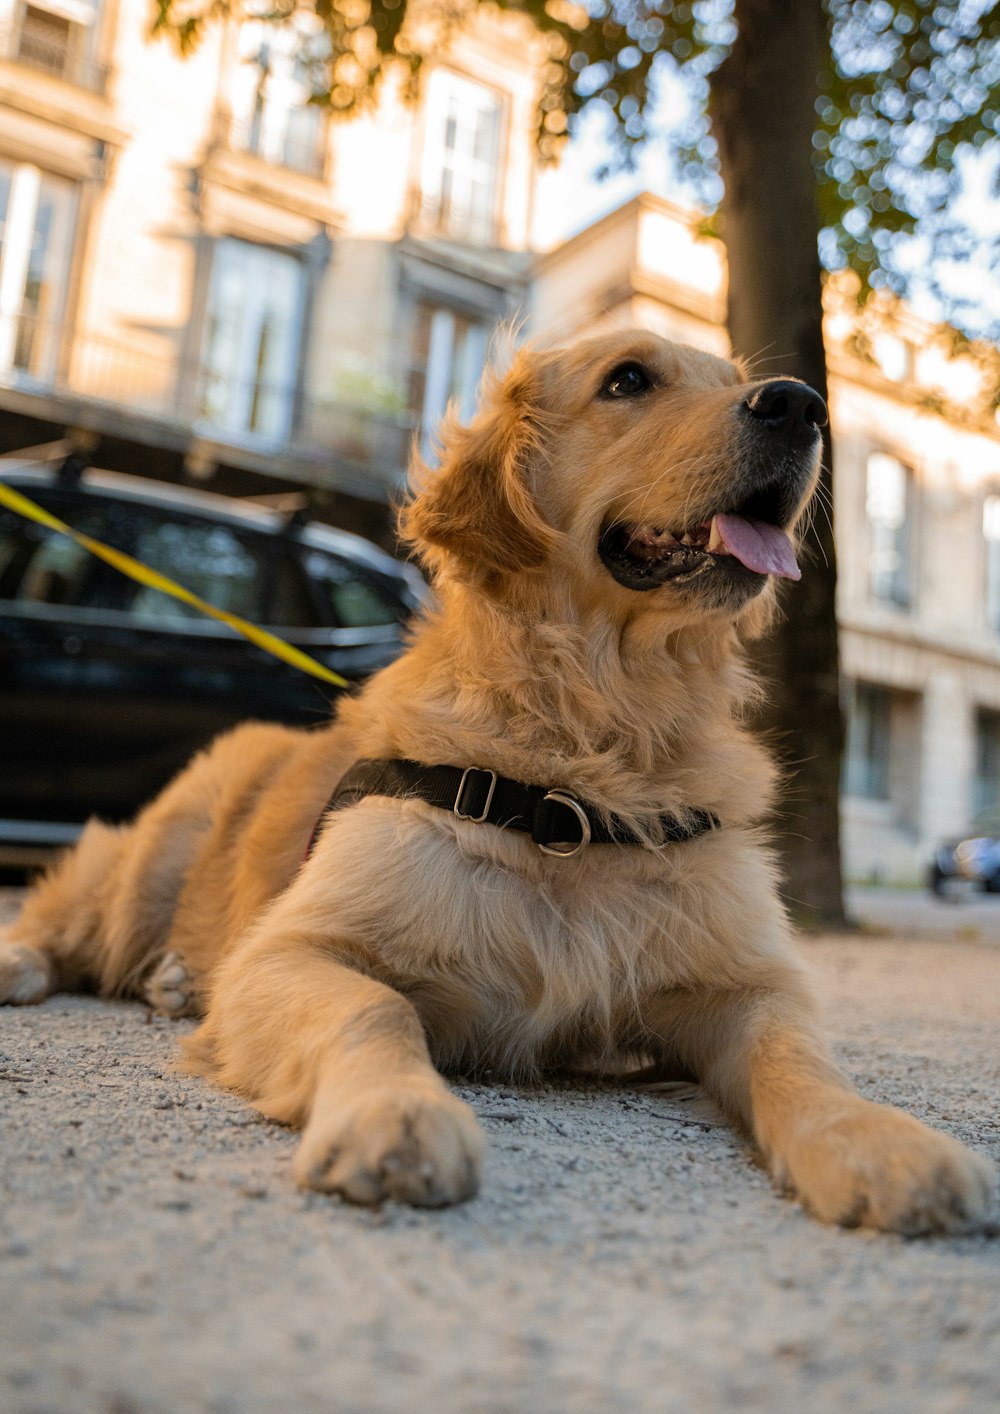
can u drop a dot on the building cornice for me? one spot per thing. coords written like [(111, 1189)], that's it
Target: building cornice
[(292, 192), (911, 636), (59, 105)]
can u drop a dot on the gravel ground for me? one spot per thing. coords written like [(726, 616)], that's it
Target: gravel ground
[(625, 1254)]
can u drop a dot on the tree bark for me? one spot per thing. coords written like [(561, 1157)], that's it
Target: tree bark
[(763, 118)]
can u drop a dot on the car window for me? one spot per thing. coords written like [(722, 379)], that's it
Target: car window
[(356, 600), (15, 551), (43, 566), (213, 561)]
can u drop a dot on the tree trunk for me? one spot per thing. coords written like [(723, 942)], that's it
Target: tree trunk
[(763, 118)]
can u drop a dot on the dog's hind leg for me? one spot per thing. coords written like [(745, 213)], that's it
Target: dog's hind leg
[(100, 918), (56, 942), (170, 988)]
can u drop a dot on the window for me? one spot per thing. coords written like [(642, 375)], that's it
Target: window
[(986, 789), (256, 576), (889, 506), (894, 356), (866, 765), (42, 566), (272, 115), (449, 356), (461, 165), (253, 332), (991, 535), (59, 37), (36, 227), (211, 560), (355, 600)]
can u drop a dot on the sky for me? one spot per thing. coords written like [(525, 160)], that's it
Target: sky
[(571, 196)]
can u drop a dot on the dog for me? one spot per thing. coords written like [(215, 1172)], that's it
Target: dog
[(538, 840)]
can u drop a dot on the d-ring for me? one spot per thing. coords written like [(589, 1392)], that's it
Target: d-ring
[(568, 850)]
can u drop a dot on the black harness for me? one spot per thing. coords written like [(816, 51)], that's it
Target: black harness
[(557, 821)]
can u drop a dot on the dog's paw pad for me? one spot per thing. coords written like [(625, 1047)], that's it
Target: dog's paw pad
[(26, 976), (170, 988)]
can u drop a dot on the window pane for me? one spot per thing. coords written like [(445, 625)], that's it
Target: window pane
[(224, 568), (991, 535), (868, 743), (270, 94), (448, 362), (42, 566), (58, 572), (37, 213), (355, 601), (987, 785), (889, 501), (252, 333), (6, 175), (460, 174)]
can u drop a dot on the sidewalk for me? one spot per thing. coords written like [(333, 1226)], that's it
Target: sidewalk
[(155, 1257), (917, 913)]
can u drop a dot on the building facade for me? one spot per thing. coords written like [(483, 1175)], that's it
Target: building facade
[(917, 462), (203, 277)]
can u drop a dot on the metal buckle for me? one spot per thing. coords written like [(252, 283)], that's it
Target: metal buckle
[(463, 815), (567, 851)]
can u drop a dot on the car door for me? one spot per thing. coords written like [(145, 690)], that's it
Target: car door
[(107, 687), (365, 611), (56, 692)]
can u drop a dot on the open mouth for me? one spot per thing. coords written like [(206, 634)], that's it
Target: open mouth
[(748, 538)]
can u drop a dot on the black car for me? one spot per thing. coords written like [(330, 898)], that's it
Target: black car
[(107, 687)]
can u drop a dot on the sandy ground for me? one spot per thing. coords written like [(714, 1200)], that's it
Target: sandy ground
[(624, 1255)]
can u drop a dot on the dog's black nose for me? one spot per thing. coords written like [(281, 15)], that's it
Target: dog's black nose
[(787, 406)]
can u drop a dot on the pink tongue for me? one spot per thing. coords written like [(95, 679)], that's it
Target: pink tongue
[(761, 547)]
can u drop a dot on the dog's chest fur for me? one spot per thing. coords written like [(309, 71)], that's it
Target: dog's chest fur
[(514, 960)]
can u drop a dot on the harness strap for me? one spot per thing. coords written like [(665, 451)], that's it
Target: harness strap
[(557, 821)]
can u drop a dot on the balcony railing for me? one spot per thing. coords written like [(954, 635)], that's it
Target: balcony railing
[(40, 360), (42, 40), (303, 153)]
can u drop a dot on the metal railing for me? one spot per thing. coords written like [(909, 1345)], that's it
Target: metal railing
[(39, 359), (304, 154), (42, 40)]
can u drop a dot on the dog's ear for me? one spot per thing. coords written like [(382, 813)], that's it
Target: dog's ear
[(475, 513)]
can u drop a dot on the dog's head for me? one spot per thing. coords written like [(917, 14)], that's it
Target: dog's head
[(624, 467)]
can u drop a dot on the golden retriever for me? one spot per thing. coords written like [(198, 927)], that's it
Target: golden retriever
[(600, 539)]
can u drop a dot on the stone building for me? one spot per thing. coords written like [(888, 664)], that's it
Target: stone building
[(207, 277), (917, 515), (202, 277)]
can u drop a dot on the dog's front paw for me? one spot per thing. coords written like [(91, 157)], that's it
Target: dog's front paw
[(26, 975), (874, 1166), (412, 1142)]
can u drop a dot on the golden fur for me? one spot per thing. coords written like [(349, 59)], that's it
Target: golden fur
[(332, 991)]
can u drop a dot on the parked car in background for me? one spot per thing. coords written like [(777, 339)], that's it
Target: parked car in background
[(970, 863), (108, 687)]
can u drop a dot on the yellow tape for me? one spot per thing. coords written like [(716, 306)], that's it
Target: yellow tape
[(136, 570)]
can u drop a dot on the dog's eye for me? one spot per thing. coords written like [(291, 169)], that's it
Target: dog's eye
[(628, 380)]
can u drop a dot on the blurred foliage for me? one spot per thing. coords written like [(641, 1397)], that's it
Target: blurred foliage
[(911, 86)]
